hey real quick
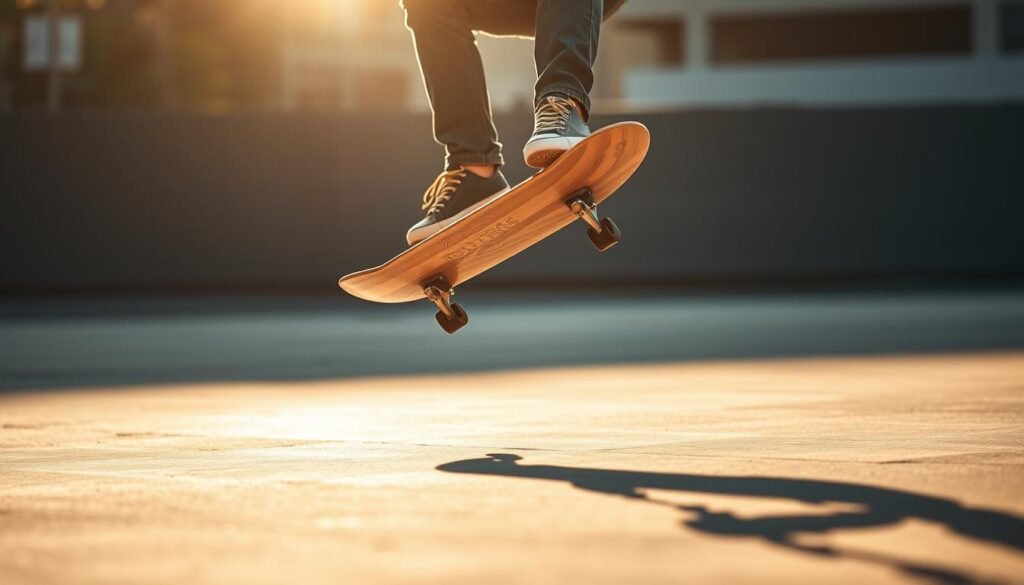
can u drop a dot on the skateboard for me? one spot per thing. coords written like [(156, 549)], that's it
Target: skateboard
[(568, 190)]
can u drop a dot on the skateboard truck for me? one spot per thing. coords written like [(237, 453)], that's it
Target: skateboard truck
[(450, 316), (603, 232)]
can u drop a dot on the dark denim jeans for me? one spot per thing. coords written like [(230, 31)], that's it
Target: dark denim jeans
[(566, 35)]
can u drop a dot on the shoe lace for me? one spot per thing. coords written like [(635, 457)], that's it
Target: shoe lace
[(440, 191), (552, 114)]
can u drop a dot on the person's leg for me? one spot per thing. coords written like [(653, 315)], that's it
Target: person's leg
[(567, 33), (454, 78), (565, 48)]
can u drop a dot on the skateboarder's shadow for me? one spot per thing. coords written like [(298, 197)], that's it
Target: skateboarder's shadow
[(874, 507)]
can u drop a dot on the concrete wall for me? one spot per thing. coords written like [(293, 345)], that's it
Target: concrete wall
[(113, 201)]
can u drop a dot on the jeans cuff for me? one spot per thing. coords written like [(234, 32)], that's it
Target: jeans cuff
[(581, 97), (455, 160)]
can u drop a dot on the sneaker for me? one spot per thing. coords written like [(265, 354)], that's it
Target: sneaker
[(455, 193), (558, 126)]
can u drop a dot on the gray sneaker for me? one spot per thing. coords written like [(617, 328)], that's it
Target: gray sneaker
[(454, 193), (558, 126)]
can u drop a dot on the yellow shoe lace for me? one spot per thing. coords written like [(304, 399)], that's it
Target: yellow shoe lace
[(552, 114), (440, 191)]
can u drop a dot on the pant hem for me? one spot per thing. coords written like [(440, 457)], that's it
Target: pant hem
[(475, 159)]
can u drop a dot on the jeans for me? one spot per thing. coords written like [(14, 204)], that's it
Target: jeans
[(566, 35)]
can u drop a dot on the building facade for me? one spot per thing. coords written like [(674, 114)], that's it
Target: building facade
[(357, 56), (659, 54), (814, 52)]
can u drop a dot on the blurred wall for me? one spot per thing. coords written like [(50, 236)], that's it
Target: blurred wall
[(166, 202)]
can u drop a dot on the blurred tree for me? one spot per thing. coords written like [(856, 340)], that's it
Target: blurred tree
[(198, 55), (117, 55), (8, 30), (120, 53), (227, 58), (6, 52), (203, 78)]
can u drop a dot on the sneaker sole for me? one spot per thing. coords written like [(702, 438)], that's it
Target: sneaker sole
[(415, 237), (540, 153)]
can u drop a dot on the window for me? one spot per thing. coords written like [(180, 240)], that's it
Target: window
[(841, 34), (667, 35)]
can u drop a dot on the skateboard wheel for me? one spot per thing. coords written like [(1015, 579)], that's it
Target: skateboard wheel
[(608, 237), (459, 320)]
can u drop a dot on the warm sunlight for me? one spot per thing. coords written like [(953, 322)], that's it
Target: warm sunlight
[(335, 291), (345, 16)]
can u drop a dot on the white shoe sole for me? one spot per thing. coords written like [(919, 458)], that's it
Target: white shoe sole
[(414, 237), (543, 150)]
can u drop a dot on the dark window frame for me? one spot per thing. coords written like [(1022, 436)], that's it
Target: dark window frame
[(830, 34)]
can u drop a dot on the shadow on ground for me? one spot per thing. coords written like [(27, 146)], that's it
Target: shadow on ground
[(875, 507)]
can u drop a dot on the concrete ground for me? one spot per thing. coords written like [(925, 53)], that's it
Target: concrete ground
[(842, 439)]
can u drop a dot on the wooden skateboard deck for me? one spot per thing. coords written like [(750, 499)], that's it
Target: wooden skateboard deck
[(531, 211)]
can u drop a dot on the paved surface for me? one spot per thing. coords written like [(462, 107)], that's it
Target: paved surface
[(873, 469)]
